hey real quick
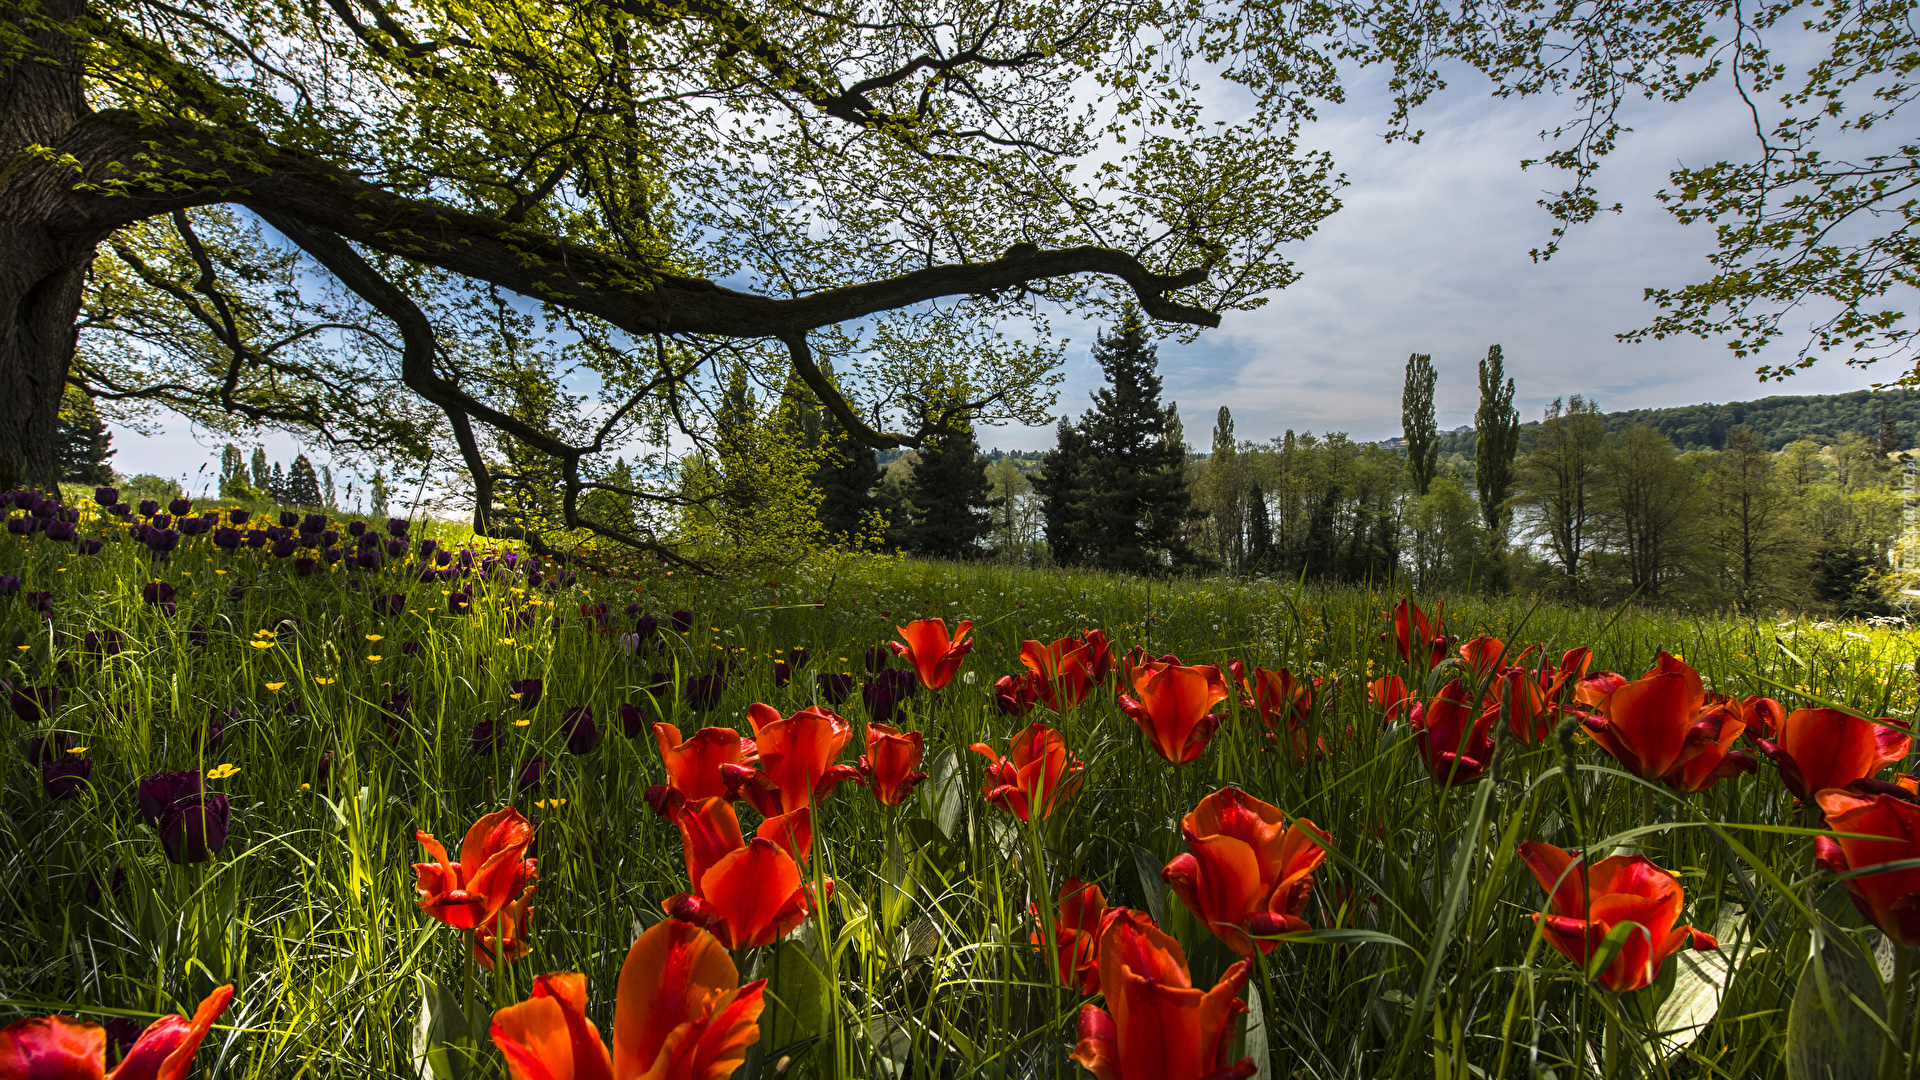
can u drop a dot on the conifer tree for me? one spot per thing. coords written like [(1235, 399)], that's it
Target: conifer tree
[(1062, 486), (303, 485), (1417, 425), (846, 476), (1259, 530), (277, 484), (1137, 506), (262, 473), (1496, 442), (326, 486), (949, 491), (85, 444)]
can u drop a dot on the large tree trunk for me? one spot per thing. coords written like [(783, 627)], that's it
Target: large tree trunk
[(41, 273)]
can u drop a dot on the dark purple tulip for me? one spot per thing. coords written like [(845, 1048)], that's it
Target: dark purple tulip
[(257, 538), (162, 541), (798, 656), (179, 507), (367, 560), (162, 790), (237, 593), (224, 537), (42, 600), (9, 585), (64, 669), (159, 594), (782, 673), (116, 884), (282, 548), (459, 603), (289, 519), (162, 521), (633, 720), (885, 693), (683, 621), (369, 542), (305, 567), (485, 738), (120, 510), (428, 546), (89, 547), (19, 526), (356, 528), (582, 733), (239, 516), (397, 526), (323, 772), (879, 658), (466, 557), (44, 509), (50, 747), (194, 829), (647, 627), (835, 686), (389, 603), (63, 777), (531, 774), (106, 496), (62, 531), (121, 1032), (198, 637), (534, 578), (332, 555), (328, 538), (148, 508), (34, 703), (411, 648), (703, 691), (102, 644), (396, 549), (660, 685), (529, 691), (193, 526), (443, 557)]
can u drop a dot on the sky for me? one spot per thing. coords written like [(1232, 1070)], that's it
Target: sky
[(1428, 254)]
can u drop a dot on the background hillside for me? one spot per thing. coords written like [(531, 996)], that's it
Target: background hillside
[(1777, 421)]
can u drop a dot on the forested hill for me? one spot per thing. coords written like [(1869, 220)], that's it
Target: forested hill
[(1778, 420)]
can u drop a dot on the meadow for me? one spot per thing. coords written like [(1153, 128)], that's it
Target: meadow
[(333, 707)]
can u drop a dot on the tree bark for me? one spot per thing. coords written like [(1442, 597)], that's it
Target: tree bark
[(41, 273)]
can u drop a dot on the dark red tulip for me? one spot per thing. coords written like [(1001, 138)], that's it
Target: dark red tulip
[(526, 693), (890, 765), (835, 687), (194, 828), (63, 777), (1015, 695), (582, 734), (1454, 742), (1827, 748), (1416, 638)]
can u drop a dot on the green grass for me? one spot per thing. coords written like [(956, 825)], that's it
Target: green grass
[(310, 908)]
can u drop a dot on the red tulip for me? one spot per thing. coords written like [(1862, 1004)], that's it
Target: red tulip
[(1099, 653), (680, 1012), (748, 892), (1827, 748), (505, 936), (1452, 740), (1246, 872), (1282, 700), (1076, 927), (1593, 689), (1483, 654), (1037, 769), (1390, 694), (1064, 670), (1764, 718), (1585, 904), (694, 764), (1890, 899), (1015, 694), (62, 1048), (1128, 667), (1532, 700), (796, 759), (927, 648), (492, 871), (1416, 638), (1662, 727), (1157, 1025), (890, 763), (1175, 708)]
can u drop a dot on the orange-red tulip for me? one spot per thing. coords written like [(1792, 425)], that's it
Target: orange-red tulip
[(797, 756), (1827, 748), (1890, 899), (1015, 694), (1128, 667), (505, 936), (1764, 718), (679, 1013), (1247, 872), (1157, 1025), (924, 644), (1452, 740), (748, 892), (1076, 926), (891, 762), (63, 1048), (1037, 769), (1586, 903), (1175, 708), (492, 870), (1662, 727), (1390, 694), (1281, 700), (694, 764), (1099, 653), (1593, 689), (1416, 638), (1064, 668), (1532, 701), (1483, 655)]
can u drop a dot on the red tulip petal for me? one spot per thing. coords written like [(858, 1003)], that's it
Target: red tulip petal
[(52, 1048), (670, 974)]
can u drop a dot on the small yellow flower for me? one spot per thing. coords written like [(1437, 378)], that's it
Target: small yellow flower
[(275, 686), (446, 592), (515, 697), (521, 723), (306, 787), (76, 750), (221, 772), (263, 633), (323, 681), (550, 804), (219, 571), (62, 570), (504, 641), (374, 659), (261, 644), (23, 648), (376, 637)]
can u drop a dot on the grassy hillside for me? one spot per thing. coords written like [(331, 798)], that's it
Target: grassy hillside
[(1777, 420)]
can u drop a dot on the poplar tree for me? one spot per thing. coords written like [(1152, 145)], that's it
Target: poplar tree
[(1422, 435), (262, 472), (1496, 441)]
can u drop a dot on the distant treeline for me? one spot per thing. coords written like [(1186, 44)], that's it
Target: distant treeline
[(1775, 421)]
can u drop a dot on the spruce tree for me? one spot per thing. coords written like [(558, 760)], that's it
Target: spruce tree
[(277, 485), (1062, 487), (847, 474), (1137, 506), (1496, 442), (262, 474), (303, 485), (1417, 425), (85, 444), (949, 491)]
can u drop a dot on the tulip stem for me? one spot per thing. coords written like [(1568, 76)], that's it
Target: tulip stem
[(1890, 1053), (1610, 1048)]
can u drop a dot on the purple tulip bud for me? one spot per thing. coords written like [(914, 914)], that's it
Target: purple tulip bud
[(630, 644), (34, 703), (50, 747), (529, 691), (703, 691), (397, 526), (194, 829), (106, 496), (411, 648), (534, 578), (329, 538), (227, 538), (389, 603), (163, 521), (459, 603), (633, 720), (180, 506), (367, 560), (356, 528), (332, 555), (782, 673), (683, 621), (582, 733), (396, 549), (305, 567), (466, 557), (161, 790), (288, 519), (532, 774), (162, 541), (485, 738), (834, 686), (63, 777), (313, 523), (19, 526), (323, 772), (148, 508), (9, 585), (62, 531), (198, 637), (282, 548)]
